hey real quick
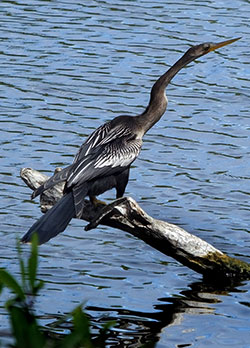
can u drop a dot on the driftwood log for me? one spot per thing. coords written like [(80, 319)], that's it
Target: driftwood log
[(125, 214)]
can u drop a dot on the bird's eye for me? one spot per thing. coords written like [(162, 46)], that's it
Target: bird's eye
[(206, 46)]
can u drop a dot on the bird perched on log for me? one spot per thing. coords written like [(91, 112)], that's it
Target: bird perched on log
[(104, 159)]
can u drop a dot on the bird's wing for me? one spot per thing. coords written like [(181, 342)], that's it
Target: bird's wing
[(55, 179), (92, 141), (107, 159), (102, 135), (87, 153)]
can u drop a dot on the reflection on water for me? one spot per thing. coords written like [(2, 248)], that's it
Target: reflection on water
[(134, 328), (68, 67)]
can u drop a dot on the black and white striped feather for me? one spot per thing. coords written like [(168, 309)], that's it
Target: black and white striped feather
[(55, 179), (108, 150), (102, 135), (105, 160)]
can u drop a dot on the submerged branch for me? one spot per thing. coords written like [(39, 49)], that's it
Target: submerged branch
[(125, 214)]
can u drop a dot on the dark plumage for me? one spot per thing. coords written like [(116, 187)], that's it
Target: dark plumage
[(104, 159)]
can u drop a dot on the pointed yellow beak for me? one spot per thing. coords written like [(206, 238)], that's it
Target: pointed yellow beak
[(221, 44)]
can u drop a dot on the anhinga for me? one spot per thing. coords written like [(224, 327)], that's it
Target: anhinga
[(104, 159)]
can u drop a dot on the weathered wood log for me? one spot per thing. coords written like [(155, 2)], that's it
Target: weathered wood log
[(171, 240)]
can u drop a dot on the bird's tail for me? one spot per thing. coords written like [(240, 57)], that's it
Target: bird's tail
[(60, 176), (54, 221)]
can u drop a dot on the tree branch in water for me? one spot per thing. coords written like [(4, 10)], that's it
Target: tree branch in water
[(126, 215)]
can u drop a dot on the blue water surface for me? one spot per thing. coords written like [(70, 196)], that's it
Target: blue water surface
[(66, 68)]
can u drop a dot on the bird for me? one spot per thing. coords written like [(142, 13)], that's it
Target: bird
[(103, 161)]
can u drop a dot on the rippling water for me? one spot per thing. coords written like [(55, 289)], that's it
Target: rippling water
[(68, 67)]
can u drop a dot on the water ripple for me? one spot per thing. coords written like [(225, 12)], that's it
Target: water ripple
[(66, 67)]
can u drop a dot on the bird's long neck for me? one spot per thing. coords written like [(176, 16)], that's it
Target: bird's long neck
[(158, 100)]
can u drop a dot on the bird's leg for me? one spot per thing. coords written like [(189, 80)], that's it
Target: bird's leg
[(96, 202), (102, 213)]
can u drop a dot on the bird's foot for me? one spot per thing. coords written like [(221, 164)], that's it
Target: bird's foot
[(102, 213), (97, 203)]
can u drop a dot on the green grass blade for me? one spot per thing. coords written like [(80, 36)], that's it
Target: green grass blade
[(32, 263), (8, 281), (21, 263), (25, 328)]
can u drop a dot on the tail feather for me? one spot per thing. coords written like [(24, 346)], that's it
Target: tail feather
[(54, 221), (79, 192), (55, 179)]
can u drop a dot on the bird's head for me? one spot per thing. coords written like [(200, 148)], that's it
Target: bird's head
[(204, 48)]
